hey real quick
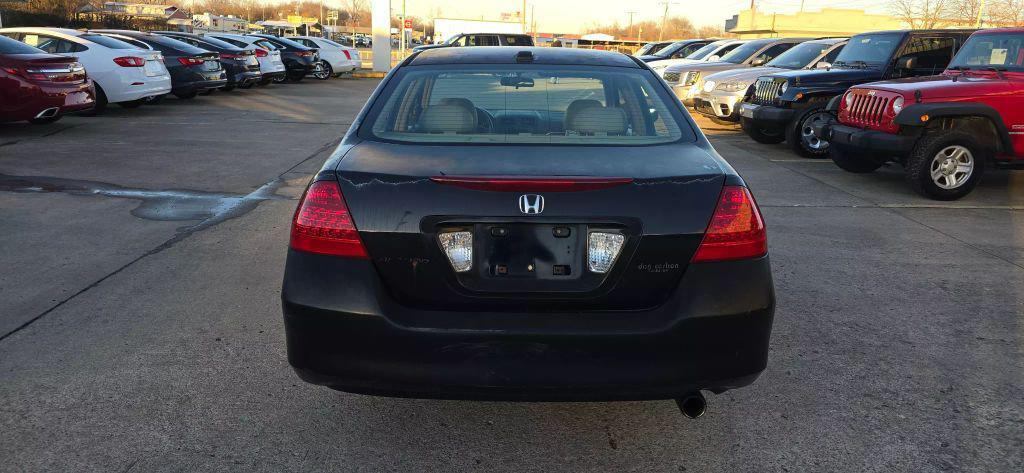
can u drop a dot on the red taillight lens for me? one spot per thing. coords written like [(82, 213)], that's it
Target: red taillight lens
[(324, 225), (130, 61), (191, 61), (231, 56), (30, 74), (736, 230), (347, 55), (304, 53), (261, 52)]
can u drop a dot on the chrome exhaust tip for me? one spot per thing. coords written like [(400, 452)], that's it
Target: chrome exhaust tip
[(49, 113), (692, 405)]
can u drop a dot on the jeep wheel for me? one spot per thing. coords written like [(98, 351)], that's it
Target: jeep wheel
[(762, 135), (801, 136), (946, 166), (852, 162)]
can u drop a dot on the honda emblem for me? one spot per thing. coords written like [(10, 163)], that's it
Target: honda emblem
[(531, 203)]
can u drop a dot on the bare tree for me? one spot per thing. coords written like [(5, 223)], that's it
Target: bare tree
[(1005, 12), (922, 14)]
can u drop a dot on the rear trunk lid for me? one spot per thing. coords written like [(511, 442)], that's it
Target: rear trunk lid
[(401, 197), (58, 69)]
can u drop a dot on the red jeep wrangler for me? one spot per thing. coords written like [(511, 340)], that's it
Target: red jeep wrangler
[(944, 129)]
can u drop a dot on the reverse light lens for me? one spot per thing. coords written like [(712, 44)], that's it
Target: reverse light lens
[(130, 61), (459, 248), (736, 230), (897, 105), (324, 225), (602, 249)]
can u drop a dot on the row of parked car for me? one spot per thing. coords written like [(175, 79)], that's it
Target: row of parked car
[(48, 72), (943, 103)]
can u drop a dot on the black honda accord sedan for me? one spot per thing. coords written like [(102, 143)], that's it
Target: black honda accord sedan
[(535, 224)]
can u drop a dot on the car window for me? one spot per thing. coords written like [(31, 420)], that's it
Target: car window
[(833, 54), (687, 50), (930, 55), (482, 40), (726, 50), (109, 42), (52, 44), (743, 52), (134, 42), (773, 52), (872, 49), (799, 56), (11, 46), (525, 104), (704, 51), (518, 41), (231, 41), (992, 50), (305, 42), (267, 45)]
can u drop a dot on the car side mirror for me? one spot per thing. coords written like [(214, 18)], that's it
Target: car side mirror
[(714, 58), (906, 62), (757, 62), (823, 65)]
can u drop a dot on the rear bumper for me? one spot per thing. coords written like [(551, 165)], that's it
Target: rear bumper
[(712, 334), (858, 141), (766, 116), (244, 78), (198, 86), (268, 76), (30, 100)]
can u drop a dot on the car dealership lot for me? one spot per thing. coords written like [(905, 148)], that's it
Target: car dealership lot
[(140, 265)]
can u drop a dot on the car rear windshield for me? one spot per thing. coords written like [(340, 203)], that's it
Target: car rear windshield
[(290, 43), (525, 104), (108, 41), (799, 56), (10, 46), (999, 50), (869, 48)]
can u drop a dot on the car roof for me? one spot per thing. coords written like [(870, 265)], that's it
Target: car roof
[(1014, 30), (935, 30), (508, 55)]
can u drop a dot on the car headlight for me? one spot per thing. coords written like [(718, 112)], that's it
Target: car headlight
[(659, 67), (848, 99), (897, 105), (709, 86), (732, 86), (784, 88)]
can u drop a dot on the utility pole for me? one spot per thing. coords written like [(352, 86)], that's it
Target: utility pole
[(401, 47), (522, 16), (630, 13), (664, 18), (981, 8), (753, 13)]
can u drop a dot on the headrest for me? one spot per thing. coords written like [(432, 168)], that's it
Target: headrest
[(588, 120), (443, 118), (574, 108)]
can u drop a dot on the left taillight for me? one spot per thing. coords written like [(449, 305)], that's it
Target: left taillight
[(130, 61), (191, 61), (736, 230), (323, 223), (347, 55), (260, 52)]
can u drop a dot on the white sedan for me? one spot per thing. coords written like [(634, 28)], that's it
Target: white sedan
[(337, 58), (267, 53), (123, 74)]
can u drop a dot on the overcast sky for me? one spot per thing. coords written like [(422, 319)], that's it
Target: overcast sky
[(565, 16)]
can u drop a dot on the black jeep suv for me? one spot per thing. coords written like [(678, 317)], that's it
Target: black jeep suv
[(786, 105)]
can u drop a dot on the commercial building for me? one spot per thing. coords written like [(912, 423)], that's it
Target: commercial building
[(749, 24)]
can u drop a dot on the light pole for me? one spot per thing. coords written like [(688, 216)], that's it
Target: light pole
[(630, 13), (664, 17)]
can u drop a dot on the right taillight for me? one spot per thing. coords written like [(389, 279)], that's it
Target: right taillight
[(347, 55), (260, 52), (191, 61), (736, 230), (324, 225)]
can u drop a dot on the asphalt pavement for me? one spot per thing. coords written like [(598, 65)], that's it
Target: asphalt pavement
[(141, 255)]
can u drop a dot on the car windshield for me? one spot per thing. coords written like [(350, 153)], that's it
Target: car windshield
[(10, 46), (871, 49), (999, 50), (525, 104), (108, 41), (743, 52), (705, 51), (799, 56), (670, 49)]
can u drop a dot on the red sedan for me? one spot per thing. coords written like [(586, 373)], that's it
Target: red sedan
[(40, 87)]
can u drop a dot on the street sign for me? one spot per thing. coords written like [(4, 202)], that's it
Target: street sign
[(332, 14), (408, 24)]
